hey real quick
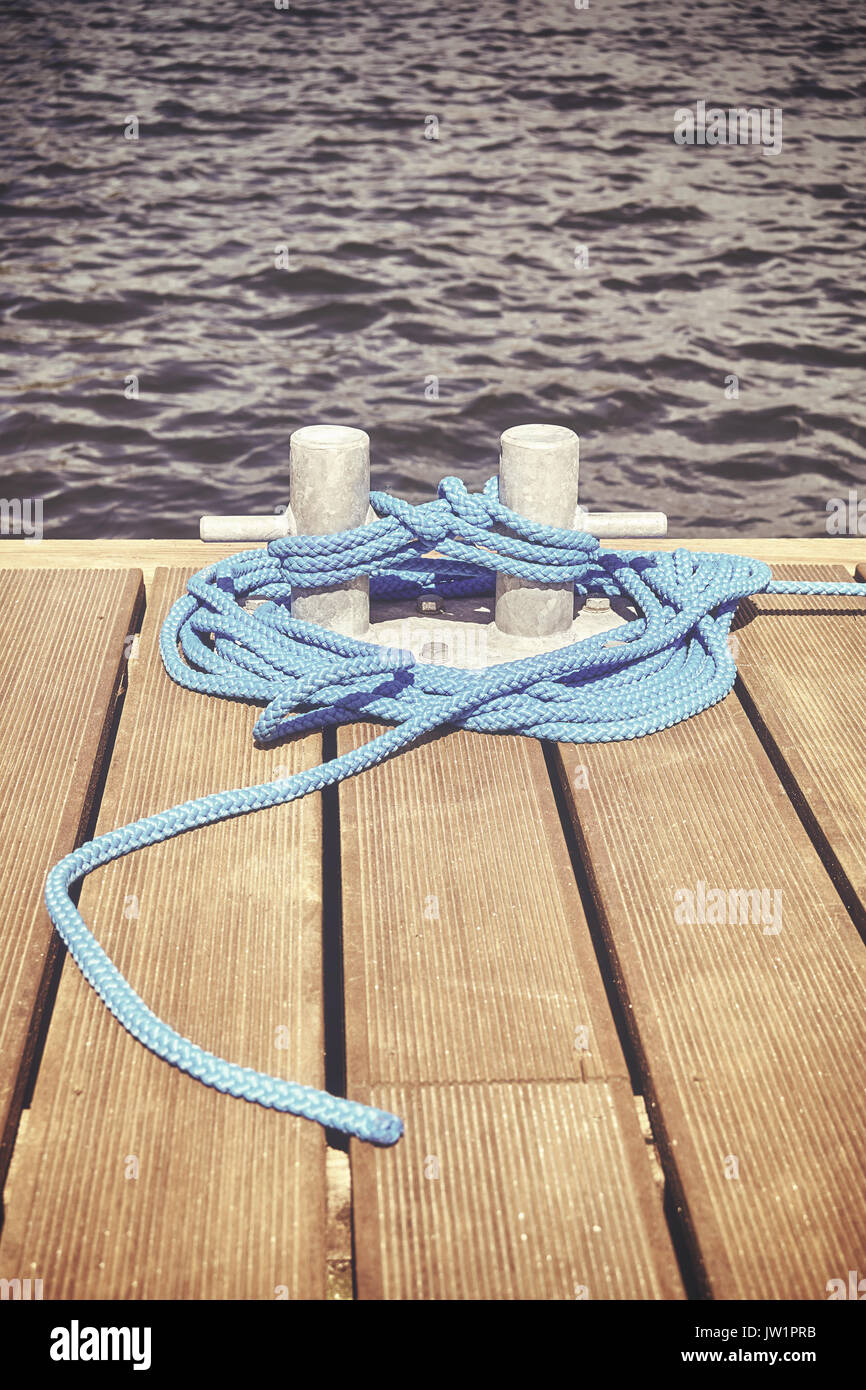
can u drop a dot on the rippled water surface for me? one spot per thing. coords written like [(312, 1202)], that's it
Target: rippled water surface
[(420, 265)]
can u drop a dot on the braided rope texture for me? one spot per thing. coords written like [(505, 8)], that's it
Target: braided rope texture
[(663, 667)]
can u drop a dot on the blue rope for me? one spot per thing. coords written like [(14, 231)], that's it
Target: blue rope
[(669, 663)]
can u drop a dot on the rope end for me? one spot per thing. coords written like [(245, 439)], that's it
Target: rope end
[(382, 1129)]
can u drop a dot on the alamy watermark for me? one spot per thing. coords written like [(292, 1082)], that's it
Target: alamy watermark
[(703, 906), (21, 516), (847, 517), (738, 125), (853, 1288), (457, 644), (20, 1290), (77, 1343)]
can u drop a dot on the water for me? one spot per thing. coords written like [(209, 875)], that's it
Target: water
[(411, 258)]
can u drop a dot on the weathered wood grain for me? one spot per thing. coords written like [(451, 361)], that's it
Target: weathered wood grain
[(748, 1032), (510, 1190), (469, 973), (470, 979), (803, 671), (62, 635), (130, 1179)]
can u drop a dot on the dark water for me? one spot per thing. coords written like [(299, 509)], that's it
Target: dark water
[(412, 258)]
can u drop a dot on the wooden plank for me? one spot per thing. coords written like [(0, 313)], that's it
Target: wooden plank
[(803, 670), (149, 555), (749, 1037), (469, 972), (542, 1190), (62, 637), (131, 1180)]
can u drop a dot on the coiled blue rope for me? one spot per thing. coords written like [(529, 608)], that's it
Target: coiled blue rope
[(669, 663)]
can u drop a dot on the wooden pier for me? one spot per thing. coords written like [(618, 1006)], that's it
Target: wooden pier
[(613, 1086)]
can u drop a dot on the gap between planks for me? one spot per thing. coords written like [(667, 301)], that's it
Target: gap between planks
[(523, 1172), (230, 1198), (748, 1041), (60, 690)]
